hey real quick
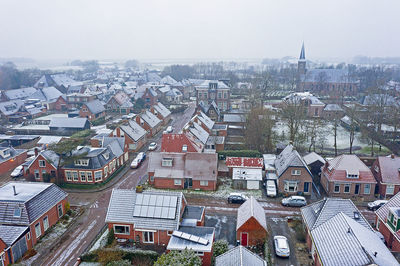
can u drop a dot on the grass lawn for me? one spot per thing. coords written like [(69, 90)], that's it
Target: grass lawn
[(367, 150)]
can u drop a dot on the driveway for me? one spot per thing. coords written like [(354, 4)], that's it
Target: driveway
[(279, 226)]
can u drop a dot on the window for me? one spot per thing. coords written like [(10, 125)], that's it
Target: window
[(106, 155), (389, 189), (121, 229), (177, 182), (337, 188), (42, 163), (204, 183), (367, 188), (105, 171), (83, 176), (377, 224), (89, 176), (98, 175), (376, 168), (126, 156), (148, 237), (352, 175), (17, 212), (84, 109), (347, 188), (152, 178), (75, 175), (296, 172), (28, 235), (169, 233), (82, 162), (184, 148), (306, 187), (166, 162), (38, 230), (37, 175), (46, 223), (68, 174), (60, 210), (290, 186)]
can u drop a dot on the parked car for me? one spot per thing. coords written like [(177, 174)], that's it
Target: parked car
[(135, 163), (271, 188), (238, 198), (294, 201), (152, 146), (169, 129), (17, 172), (373, 206), (141, 156), (281, 245)]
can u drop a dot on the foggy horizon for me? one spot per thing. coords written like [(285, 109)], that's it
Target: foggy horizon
[(180, 30)]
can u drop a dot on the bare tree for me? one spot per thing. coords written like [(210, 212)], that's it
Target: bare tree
[(293, 113), (258, 133)]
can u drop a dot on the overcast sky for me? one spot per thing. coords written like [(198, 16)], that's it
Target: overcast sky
[(202, 29)]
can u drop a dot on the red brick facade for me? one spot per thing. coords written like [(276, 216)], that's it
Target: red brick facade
[(38, 168), (130, 143), (176, 142), (85, 112), (169, 183), (61, 104), (12, 162), (302, 178), (392, 242), (256, 234)]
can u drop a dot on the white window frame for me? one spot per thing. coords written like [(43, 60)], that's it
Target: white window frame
[(98, 178), (296, 172), (144, 233), (60, 208), (38, 174), (369, 189), (82, 174), (38, 229), (199, 253), (126, 156), (177, 182), (75, 176), (345, 186), (28, 236), (105, 171), (42, 163), (391, 191), (89, 174), (122, 225), (68, 175), (334, 188), (166, 162), (288, 184), (46, 223), (204, 183), (82, 162)]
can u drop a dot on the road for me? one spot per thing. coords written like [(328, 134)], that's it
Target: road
[(77, 238)]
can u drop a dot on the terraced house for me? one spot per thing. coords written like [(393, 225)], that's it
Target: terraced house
[(27, 211)]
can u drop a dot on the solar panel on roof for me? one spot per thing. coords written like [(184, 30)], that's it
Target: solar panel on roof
[(143, 211), (153, 199), (164, 213), (137, 210), (146, 199), (157, 212), (185, 236), (203, 241), (194, 238), (177, 233), (173, 200), (190, 237), (139, 199), (159, 200), (171, 213), (166, 201), (150, 212)]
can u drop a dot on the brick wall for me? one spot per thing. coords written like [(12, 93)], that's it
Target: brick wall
[(256, 233), (169, 183), (303, 177), (391, 242), (13, 162), (30, 173)]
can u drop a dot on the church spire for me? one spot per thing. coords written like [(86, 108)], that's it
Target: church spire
[(302, 53)]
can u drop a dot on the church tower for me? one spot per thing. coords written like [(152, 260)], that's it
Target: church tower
[(301, 65)]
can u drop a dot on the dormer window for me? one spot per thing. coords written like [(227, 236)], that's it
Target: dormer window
[(352, 175), (393, 217), (106, 155), (166, 162), (17, 212), (82, 162)]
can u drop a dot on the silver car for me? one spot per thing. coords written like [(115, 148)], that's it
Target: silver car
[(281, 245)]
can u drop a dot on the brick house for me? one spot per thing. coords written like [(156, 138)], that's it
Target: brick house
[(243, 162), (149, 122), (179, 143), (213, 91), (189, 170), (386, 172), (61, 104), (11, 158), (120, 103), (204, 121), (338, 234), (92, 110), (387, 222), (150, 97), (96, 164), (161, 112), (29, 210), (251, 225), (135, 135), (347, 176), (211, 110), (313, 107), (292, 172), (45, 162)]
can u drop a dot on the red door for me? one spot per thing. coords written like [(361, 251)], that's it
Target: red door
[(244, 239)]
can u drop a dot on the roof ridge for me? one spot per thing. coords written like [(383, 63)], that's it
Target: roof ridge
[(319, 214), (241, 254)]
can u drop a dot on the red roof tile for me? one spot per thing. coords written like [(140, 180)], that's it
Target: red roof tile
[(175, 142)]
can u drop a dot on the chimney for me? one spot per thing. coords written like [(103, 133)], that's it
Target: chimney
[(375, 253), (15, 191), (36, 151)]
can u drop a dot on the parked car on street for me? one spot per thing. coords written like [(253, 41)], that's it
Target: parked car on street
[(281, 245), (17, 172), (135, 163), (141, 156), (373, 206), (152, 146), (271, 188), (237, 198), (169, 129), (294, 201)]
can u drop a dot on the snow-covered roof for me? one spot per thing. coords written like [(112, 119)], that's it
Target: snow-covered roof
[(181, 239), (313, 157), (11, 107), (76, 122), (134, 130), (150, 119), (199, 132), (333, 107), (205, 120), (248, 174), (95, 106), (251, 208), (287, 158), (206, 84), (239, 256), (21, 93), (164, 111), (10, 234)]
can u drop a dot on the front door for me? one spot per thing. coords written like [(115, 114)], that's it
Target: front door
[(357, 189), (188, 183), (244, 239)]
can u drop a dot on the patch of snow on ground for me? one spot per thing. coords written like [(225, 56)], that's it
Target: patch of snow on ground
[(101, 242), (278, 220)]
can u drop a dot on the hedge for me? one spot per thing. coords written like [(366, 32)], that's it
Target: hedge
[(239, 153), (126, 255)]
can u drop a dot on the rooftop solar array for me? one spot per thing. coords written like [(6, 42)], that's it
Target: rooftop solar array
[(155, 206), (190, 237)]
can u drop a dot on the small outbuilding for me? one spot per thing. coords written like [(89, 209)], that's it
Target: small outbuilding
[(247, 178)]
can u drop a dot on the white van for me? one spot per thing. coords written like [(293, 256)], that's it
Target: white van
[(271, 188)]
